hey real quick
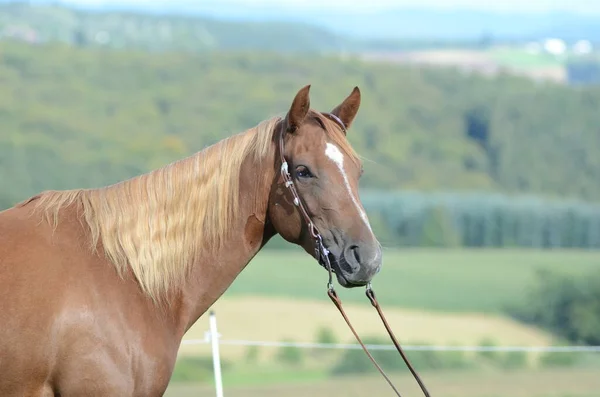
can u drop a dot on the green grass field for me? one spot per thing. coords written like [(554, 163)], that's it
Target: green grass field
[(527, 383), (444, 280), (437, 296)]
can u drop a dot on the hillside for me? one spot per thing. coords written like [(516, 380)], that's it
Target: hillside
[(88, 117), (208, 27), (395, 21), (123, 29)]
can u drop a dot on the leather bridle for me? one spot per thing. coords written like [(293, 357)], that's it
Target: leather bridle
[(322, 256)]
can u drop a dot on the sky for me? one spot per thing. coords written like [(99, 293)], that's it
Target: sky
[(580, 6)]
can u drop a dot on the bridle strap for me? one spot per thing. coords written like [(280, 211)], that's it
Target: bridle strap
[(338, 303), (322, 256), (290, 185), (371, 295)]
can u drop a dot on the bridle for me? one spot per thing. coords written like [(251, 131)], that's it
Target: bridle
[(322, 255)]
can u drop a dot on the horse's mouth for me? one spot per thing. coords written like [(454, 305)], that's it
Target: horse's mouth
[(339, 274)]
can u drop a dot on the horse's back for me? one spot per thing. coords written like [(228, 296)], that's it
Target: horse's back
[(29, 267), (30, 263)]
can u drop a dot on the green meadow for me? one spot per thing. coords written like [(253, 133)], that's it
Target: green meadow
[(531, 383), (441, 280), (430, 297)]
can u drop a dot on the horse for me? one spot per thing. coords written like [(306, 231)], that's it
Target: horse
[(98, 286)]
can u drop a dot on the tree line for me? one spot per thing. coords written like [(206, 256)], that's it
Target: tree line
[(482, 221)]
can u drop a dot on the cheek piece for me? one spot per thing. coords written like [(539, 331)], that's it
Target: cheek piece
[(322, 256)]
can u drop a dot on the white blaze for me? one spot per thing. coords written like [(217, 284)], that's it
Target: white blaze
[(336, 155)]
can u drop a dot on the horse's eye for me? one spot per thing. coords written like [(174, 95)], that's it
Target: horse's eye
[(303, 172)]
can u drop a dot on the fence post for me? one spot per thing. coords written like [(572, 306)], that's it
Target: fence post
[(214, 340)]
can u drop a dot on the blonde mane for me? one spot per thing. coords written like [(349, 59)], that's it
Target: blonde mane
[(156, 224)]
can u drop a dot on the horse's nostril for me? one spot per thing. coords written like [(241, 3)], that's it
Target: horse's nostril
[(355, 253)]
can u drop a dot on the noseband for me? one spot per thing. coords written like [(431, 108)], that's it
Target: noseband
[(322, 256)]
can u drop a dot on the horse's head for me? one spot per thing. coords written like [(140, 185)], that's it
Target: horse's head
[(325, 172)]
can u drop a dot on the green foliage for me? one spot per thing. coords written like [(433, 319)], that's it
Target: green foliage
[(438, 229), (558, 359), (503, 360), (513, 360), (251, 356), (352, 362), (490, 355), (92, 117), (326, 335), (482, 220), (196, 369), (567, 305), (290, 355), (355, 361)]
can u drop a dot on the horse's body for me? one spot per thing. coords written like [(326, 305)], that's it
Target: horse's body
[(69, 323), (98, 286), (68, 313)]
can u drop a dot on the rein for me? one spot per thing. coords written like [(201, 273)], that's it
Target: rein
[(322, 255)]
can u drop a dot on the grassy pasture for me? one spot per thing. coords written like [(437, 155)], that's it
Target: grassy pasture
[(527, 383), (436, 280), (265, 319), (433, 297)]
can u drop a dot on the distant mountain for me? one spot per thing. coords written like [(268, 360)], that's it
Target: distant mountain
[(391, 23), (415, 23), (153, 31)]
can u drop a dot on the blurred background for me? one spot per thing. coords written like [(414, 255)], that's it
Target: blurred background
[(480, 130)]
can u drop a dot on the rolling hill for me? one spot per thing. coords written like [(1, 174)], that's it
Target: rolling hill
[(406, 21), (133, 29), (88, 117)]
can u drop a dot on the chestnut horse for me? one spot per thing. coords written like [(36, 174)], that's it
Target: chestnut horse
[(98, 286)]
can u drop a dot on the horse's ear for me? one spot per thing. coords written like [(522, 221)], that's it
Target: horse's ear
[(347, 110), (299, 108)]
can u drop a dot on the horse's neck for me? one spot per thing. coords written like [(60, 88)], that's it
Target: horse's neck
[(213, 273)]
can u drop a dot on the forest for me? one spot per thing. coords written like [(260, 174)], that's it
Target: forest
[(87, 117)]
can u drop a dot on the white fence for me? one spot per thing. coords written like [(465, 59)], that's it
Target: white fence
[(213, 338)]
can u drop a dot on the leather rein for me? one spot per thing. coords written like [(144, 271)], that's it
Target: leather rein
[(322, 255)]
